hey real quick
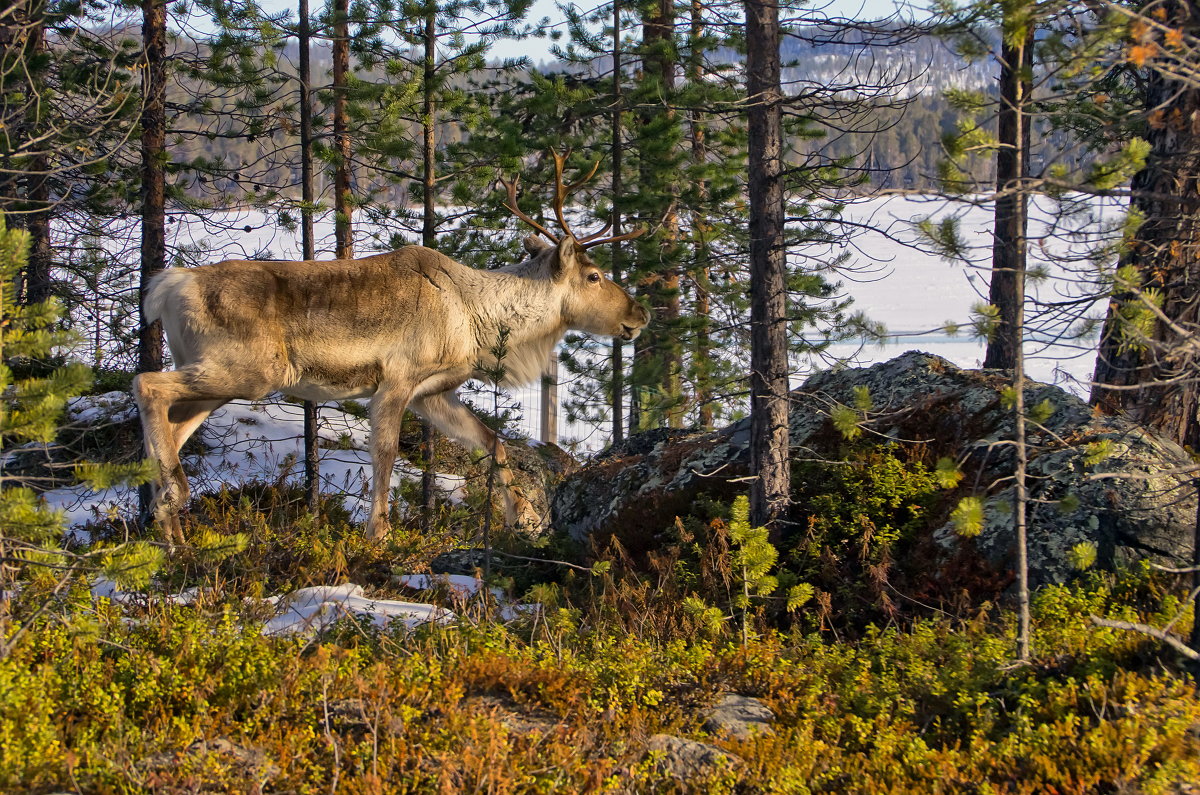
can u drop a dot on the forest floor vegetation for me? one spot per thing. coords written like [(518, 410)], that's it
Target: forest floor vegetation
[(152, 696)]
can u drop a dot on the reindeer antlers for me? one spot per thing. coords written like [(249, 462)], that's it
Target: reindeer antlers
[(512, 205), (561, 192)]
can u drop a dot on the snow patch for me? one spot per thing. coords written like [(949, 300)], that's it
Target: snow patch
[(310, 610), (249, 441)]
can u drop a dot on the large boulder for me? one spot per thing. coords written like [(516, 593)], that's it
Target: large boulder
[(1127, 504)]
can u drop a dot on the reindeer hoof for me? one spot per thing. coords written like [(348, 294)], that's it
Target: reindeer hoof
[(527, 520), (171, 528)]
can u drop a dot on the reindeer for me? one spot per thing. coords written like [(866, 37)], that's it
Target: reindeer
[(405, 328)]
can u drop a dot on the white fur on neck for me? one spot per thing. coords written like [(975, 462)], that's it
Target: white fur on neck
[(527, 302)]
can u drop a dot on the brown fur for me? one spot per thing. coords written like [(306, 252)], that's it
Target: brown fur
[(405, 328)]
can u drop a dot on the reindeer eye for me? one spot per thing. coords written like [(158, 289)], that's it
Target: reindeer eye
[(593, 277)]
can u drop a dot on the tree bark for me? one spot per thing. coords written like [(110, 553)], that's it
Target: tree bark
[(153, 192), (37, 199), (658, 360), (1159, 373), (13, 39), (343, 208), (1011, 209), (769, 491), (312, 465), (616, 360), (153, 189), (429, 233), (702, 345)]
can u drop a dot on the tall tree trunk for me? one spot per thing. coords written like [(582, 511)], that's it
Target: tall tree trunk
[(1020, 471), (429, 231), (1006, 350), (616, 361), (769, 491), (154, 154), (1011, 211), (153, 190), (1159, 374), (13, 91), (312, 465), (657, 351), (702, 345), (343, 231), (37, 279)]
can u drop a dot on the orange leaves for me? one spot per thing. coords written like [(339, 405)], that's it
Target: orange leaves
[(1140, 53)]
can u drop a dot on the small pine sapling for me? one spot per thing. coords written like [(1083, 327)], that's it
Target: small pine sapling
[(753, 558), (31, 412)]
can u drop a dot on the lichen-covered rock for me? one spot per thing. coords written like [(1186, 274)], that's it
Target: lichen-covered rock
[(738, 716), (1124, 504), (685, 759)]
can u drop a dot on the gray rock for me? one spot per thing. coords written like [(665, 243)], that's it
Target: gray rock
[(459, 561), (688, 759), (250, 762), (739, 716), (1123, 505)]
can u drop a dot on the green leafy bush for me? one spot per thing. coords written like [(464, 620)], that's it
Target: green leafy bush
[(860, 508)]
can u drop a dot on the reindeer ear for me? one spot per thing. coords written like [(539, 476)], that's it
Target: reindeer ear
[(566, 261), (534, 245)]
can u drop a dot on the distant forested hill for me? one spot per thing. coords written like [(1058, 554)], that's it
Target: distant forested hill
[(897, 146)]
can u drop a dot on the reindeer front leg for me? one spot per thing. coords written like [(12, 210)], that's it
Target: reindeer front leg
[(153, 393), (387, 412), (457, 421), (172, 405)]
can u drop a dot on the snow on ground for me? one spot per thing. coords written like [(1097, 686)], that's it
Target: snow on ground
[(308, 611), (314, 609), (250, 441)]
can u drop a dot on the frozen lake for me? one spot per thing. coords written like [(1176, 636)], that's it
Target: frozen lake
[(892, 276)]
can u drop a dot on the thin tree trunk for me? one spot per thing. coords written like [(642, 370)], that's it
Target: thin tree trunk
[(14, 54), (1021, 493), (658, 352), (343, 208), (769, 491), (312, 464), (1195, 638), (154, 138), (153, 190), (37, 279), (702, 347), (1008, 255), (429, 234), (617, 396)]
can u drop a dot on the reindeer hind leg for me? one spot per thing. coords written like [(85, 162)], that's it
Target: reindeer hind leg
[(153, 408), (185, 418), (455, 420)]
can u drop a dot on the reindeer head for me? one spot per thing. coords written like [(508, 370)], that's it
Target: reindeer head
[(592, 302)]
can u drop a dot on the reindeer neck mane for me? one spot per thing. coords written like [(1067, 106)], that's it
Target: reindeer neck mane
[(523, 299)]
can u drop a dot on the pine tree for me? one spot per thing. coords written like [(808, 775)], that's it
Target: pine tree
[(1142, 367), (30, 412), (770, 490)]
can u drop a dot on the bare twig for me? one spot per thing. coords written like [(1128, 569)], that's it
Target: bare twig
[(1145, 629)]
